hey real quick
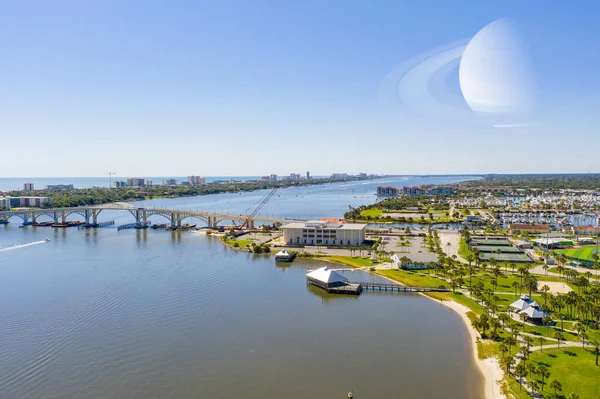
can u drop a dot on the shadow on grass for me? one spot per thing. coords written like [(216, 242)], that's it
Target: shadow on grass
[(569, 353)]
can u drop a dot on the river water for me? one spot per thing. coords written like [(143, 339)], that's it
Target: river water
[(157, 314)]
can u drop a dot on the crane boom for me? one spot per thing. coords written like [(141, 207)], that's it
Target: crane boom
[(258, 207)]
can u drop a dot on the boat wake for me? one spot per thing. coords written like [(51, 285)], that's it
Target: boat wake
[(20, 246)]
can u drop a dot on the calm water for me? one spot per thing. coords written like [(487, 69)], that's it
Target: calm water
[(156, 314)]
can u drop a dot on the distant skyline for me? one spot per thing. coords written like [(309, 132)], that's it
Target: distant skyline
[(226, 88)]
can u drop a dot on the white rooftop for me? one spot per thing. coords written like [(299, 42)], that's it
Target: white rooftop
[(283, 252), (320, 224), (326, 276)]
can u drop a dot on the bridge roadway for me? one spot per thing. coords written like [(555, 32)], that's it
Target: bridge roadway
[(141, 215)]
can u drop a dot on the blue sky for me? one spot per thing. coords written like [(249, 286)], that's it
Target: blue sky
[(253, 87)]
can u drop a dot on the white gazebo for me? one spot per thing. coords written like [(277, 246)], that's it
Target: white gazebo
[(530, 308), (522, 303)]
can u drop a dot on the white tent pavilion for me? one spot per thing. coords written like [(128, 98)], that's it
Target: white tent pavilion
[(326, 277)]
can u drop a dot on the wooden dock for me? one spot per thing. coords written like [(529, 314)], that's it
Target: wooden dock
[(400, 288), (348, 289)]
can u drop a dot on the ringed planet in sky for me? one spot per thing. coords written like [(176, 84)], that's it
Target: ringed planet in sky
[(494, 73)]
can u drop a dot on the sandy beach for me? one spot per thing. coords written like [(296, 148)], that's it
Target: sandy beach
[(490, 369)]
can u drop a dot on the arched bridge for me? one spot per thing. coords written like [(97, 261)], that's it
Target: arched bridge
[(141, 215)]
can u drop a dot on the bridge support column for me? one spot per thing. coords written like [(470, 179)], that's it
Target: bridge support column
[(251, 224), (95, 213), (144, 218), (33, 218), (138, 219), (55, 216), (87, 217), (63, 217)]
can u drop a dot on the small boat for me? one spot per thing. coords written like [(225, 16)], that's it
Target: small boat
[(285, 256), (47, 240)]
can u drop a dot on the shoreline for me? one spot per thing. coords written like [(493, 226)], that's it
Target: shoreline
[(489, 368)]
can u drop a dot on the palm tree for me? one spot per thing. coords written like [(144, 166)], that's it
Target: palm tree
[(556, 386), (595, 348), (545, 290), (524, 353), (532, 370), (542, 340), (573, 396), (521, 371), (516, 285), (530, 283), (559, 338), (584, 336), (534, 386), (508, 361), (544, 373)]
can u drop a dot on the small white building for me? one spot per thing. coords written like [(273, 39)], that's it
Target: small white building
[(318, 232)]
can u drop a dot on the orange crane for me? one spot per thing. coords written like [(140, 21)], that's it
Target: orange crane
[(262, 203)]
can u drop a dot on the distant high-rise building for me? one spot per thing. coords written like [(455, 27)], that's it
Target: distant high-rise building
[(307, 175), (169, 182), (120, 184), (196, 180), (294, 176), (28, 187), (148, 182), (274, 177), (136, 182), (59, 187), (339, 176)]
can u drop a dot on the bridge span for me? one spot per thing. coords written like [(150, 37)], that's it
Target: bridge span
[(141, 215)]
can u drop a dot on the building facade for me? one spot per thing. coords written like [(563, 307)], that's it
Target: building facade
[(28, 187), (22, 202), (169, 182), (317, 232), (196, 180), (120, 184), (136, 182), (388, 191)]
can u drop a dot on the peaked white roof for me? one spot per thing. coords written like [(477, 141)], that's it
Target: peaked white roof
[(283, 252), (326, 276), (522, 303), (534, 312), (395, 259)]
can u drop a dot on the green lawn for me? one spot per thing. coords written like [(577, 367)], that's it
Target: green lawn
[(463, 249), (414, 279), (504, 284), (242, 243), (584, 252), (373, 212), (574, 368), (351, 261)]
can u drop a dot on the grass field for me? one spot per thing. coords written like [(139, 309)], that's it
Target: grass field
[(584, 252), (351, 261), (373, 212), (414, 279), (574, 368), (242, 243)]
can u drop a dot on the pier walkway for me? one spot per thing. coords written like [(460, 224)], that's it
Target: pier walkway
[(400, 288)]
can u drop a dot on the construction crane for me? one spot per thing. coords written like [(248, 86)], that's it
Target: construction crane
[(110, 175), (262, 203)]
